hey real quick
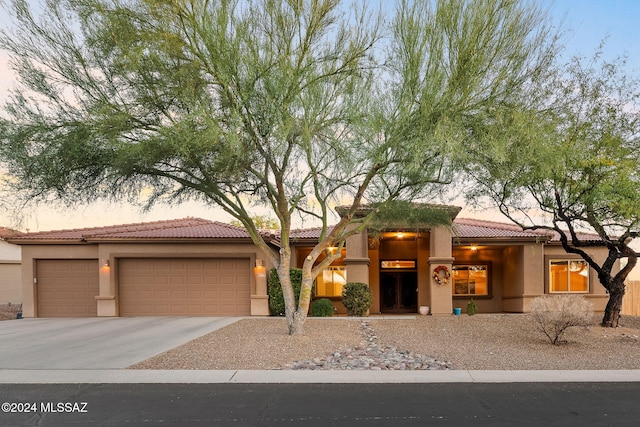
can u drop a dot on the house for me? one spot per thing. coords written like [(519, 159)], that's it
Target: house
[(196, 267), (10, 269)]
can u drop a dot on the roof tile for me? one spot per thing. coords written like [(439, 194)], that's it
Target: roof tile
[(475, 228), (176, 229), (198, 228)]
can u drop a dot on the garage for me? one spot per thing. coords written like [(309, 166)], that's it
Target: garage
[(67, 288), (184, 286)]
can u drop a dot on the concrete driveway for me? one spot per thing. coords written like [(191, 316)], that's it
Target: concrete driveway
[(96, 343)]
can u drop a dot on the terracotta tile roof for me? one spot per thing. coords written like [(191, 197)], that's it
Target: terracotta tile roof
[(185, 228), (585, 237), (464, 228), (7, 233), (307, 233), (475, 228), (197, 228)]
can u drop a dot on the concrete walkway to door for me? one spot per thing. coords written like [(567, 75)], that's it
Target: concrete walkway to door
[(96, 343)]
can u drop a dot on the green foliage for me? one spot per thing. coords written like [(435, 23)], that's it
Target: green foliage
[(261, 222), (291, 106), (472, 308), (357, 298), (276, 298), (402, 215), (571, 154), (322, 308)]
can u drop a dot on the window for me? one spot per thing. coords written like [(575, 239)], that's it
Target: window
[(329, 283), (568, 276), (470, 280), (398, 264)]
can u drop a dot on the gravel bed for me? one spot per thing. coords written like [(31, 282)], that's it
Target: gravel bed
[(483, 341)]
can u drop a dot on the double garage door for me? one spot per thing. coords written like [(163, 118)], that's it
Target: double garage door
[(148, 287), (184, 287)]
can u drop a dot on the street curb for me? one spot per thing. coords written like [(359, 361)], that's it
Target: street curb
[(129, 376)]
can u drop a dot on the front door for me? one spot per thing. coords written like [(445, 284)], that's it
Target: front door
[(399, 291)]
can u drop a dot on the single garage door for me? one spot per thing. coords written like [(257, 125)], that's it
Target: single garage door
[(184, 287), (67, 288)]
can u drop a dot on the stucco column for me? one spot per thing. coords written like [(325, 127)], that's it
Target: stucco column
[(260, 298), (107, 306), (441, 296), (357, 259)]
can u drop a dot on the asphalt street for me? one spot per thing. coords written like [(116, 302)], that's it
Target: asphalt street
[(505, 404)]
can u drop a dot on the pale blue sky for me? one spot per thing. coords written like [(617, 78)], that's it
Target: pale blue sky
[(590, 21), (587, 22)]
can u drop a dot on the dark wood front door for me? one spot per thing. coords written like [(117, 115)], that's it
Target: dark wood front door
[(399, 291)]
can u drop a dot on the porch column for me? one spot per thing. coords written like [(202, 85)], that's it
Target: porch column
[(106, 301), (357, 258), (441, 295), (260, 299)]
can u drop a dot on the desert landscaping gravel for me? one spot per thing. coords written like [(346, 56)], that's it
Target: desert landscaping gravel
[(483, 341)]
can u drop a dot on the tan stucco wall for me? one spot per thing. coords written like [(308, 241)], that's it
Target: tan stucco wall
[(10, 273), (357, 257), (10, 282), (107, 300), (513, 279), (424, 276), (441, 302)]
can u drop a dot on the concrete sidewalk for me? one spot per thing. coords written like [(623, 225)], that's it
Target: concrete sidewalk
[(129, 376)]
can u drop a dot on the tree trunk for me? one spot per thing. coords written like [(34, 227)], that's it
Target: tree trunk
[(296, 326), (612, 311)]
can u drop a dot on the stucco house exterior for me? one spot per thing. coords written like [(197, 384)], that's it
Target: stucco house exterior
[(197, 267), (10, 268)]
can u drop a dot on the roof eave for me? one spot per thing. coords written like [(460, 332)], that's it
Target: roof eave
[(169, 240), (48, 242), (460, 241)]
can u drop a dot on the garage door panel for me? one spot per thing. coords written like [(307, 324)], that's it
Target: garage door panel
[(67, 288), (184, 287)]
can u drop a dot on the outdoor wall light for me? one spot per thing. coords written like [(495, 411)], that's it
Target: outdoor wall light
[(106, 263)]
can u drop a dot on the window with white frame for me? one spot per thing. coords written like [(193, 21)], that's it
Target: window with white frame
[(568, 276), (470, 280)]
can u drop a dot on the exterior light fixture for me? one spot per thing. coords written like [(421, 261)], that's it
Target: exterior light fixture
[(260, 270)]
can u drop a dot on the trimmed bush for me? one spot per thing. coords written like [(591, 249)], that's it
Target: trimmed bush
[(553, 315), (276, 297), (322, 308), (357, 298)]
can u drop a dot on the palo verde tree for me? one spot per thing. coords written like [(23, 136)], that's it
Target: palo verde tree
[(569, 162), (297, 106)]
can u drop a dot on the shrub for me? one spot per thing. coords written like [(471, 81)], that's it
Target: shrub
[(322, 308), (357, 298), (276, 297), (472, 308), (553, 315)]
